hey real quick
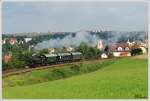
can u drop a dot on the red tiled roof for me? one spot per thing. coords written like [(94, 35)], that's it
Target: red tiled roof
[(7, 58), (114, 47)]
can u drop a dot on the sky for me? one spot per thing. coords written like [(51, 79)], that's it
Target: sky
[(18, 17)]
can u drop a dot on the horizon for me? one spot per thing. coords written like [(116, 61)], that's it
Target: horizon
[(74, 32)]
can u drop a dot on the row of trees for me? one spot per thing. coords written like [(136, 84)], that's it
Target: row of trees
[(20, 54), (39, 38)]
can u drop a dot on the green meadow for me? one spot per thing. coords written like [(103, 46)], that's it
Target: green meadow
[(125, 78)]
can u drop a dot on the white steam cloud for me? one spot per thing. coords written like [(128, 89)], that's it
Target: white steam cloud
[(69, 40), (86, 37)]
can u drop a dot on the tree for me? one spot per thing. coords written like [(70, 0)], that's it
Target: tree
[(44, 51), (136, 51), (88, 52)]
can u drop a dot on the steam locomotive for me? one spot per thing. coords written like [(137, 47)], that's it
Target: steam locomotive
[(47, 59)]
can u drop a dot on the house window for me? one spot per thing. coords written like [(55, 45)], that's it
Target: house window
[(120, 49), (127, 49)]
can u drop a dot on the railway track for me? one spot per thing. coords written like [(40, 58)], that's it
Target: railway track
[(25, 70)]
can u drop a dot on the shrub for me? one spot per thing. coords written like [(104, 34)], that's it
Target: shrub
[(136, 51), (75, 68), (107, 63), (4, 66), (55, 73), (84, 69), (93, 67), (110, 55), (7, 65), (19, 64), (63, 73)]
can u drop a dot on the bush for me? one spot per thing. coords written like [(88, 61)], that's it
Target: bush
[(107, 63), (4, 66), (63, 72), (13, 64), (93, 67), (44, 51), (136, 51), (75, 68), (110, 55), (19, 64), (7, 65), (56, 73)]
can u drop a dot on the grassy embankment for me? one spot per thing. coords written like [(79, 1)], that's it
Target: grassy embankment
[(126, 78)]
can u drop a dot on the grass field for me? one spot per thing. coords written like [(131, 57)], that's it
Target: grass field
[(126, 78)]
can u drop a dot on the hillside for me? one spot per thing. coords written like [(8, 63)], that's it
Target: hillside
[(126, 78)]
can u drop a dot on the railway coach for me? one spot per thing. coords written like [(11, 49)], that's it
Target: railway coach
[(47, 59)]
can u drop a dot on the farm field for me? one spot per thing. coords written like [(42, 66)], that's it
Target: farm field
[(125, 78)]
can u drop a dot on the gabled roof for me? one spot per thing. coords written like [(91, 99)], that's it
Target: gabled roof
[(114, 47)]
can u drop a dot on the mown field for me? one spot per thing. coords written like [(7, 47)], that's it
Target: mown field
[(125, 78)]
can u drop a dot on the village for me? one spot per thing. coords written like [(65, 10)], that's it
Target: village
[(122, 49)]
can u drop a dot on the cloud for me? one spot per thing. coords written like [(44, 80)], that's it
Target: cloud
[(68, 16)]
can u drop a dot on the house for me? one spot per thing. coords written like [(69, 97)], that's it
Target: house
[(104, 56), (13, 41), (27, 39), (20, 42), (130, 43), (119, 49), (143, 44), (69, 49), (51, 50), (3, 41), (143, 49), (7, 57)]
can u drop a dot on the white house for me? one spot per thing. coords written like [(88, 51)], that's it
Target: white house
[(104, 56), (143, 49), (120, 49), (51, 50), (27, 39), (69, 49)]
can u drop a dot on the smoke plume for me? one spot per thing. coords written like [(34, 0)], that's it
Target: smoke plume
[(69, 40), (90, 39)]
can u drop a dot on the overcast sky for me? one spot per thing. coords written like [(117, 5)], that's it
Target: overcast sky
[(73, 16)]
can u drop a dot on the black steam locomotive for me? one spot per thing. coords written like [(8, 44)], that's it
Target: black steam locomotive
[(47, 59)]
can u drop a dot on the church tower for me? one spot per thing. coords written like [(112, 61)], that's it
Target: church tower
[(100, 45), (129, 43)]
